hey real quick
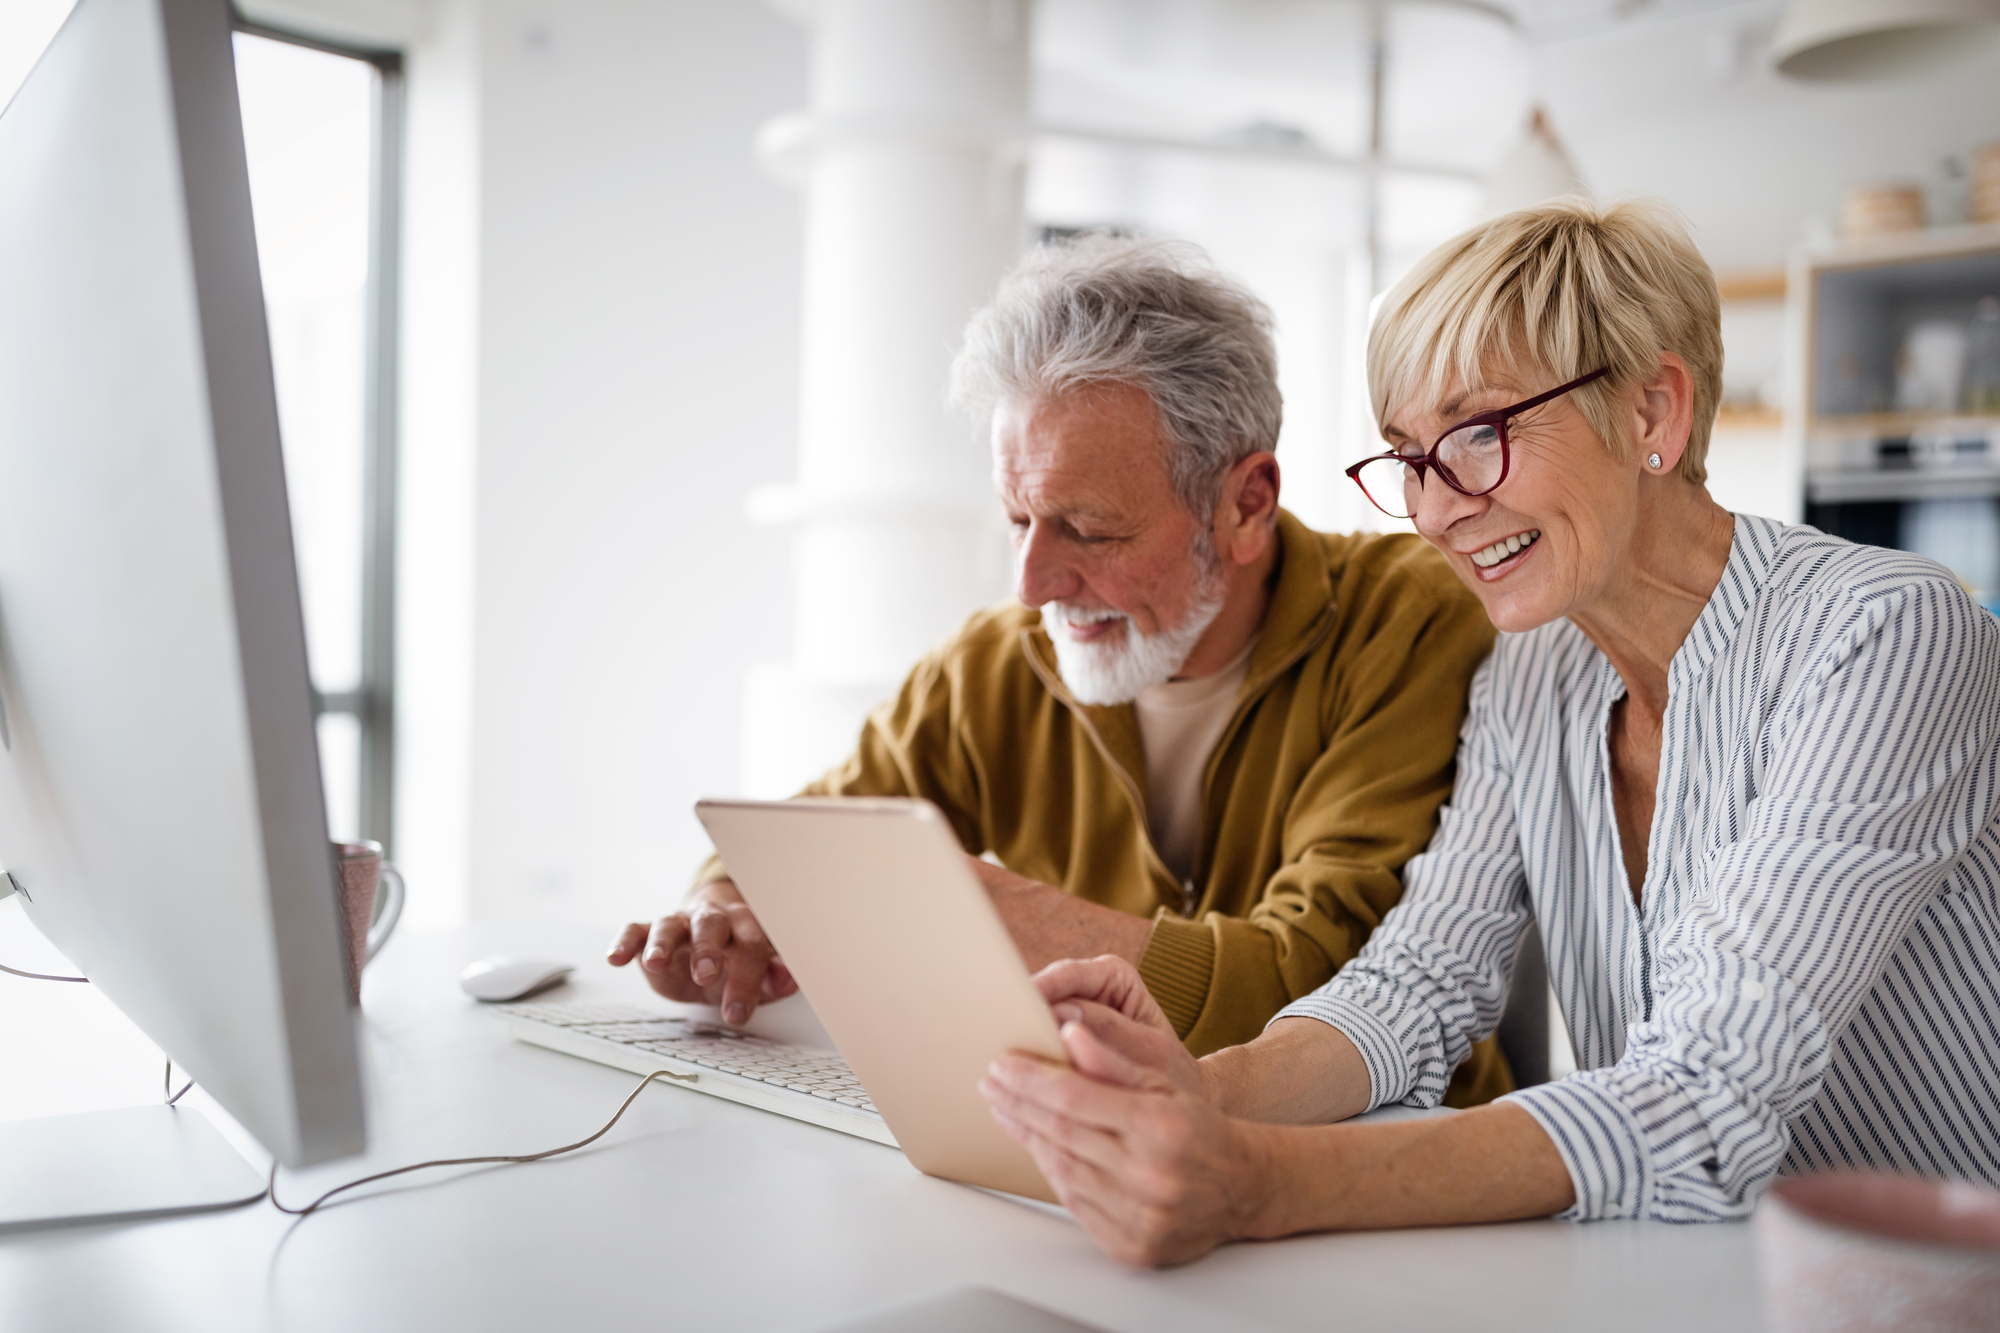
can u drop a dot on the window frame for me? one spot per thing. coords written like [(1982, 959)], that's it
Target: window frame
[(372, 703)]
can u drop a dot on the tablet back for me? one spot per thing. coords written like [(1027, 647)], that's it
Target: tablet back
[(872, 906)]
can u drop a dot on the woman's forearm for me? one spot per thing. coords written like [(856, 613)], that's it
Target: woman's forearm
[(1299, 1072), (1488, 1165), (1492, 1164), (1161, 1167)]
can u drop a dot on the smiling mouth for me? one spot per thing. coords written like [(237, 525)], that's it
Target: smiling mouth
[(1505, 548), (1090, 631), (1083, 626)]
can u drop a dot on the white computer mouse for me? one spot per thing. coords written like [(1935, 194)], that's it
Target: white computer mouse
[(502, 978)]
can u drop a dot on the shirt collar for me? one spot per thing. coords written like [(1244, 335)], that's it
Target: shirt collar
[(1753, 553)]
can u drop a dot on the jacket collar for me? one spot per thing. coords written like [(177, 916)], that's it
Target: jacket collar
[(1753, 553), (1301, 607)]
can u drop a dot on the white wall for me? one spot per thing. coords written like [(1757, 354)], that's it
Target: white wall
[(1685, 108), (599, 363), (601, 300), (638, 314)]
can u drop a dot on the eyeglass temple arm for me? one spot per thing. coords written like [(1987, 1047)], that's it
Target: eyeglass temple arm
[(1353, 470), (1556, 392)]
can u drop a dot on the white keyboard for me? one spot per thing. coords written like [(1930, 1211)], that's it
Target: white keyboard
[(806, 1084)]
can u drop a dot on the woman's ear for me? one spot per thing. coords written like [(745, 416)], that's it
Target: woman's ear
[(1664, 416)]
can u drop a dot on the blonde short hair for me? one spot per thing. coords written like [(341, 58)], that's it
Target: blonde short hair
[(1553, 292)]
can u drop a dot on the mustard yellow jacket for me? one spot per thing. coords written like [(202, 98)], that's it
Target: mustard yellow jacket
[(1328, 777)]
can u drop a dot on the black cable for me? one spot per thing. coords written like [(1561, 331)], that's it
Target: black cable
[(37, 976), (166, 1089), (271, 1188)]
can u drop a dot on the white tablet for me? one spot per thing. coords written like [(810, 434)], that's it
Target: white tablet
[(873, 907)]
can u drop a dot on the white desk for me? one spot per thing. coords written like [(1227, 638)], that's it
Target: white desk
[(698, 1213)]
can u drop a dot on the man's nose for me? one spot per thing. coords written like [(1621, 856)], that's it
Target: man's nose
[(1041, 575)]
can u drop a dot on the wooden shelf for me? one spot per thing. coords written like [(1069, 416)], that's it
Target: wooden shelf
[(1902, 247), (1893, 425), (1744, 288), (1829, 486), (1748, 418)]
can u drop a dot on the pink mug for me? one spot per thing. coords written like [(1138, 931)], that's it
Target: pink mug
[(362, 873), (1873, 1252)]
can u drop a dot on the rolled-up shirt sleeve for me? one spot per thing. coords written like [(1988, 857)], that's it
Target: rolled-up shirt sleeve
[(1433, 978), (1875, 773), (1879, 774)]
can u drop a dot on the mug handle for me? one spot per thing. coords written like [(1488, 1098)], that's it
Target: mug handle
[(388, 910)]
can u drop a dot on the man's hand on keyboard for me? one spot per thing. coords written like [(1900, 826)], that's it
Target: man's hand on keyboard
[(710, 952)]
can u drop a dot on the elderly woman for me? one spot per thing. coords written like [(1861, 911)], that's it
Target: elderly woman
[(1743, 776)]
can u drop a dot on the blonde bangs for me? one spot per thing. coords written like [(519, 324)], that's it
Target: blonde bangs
[(1545, 295)]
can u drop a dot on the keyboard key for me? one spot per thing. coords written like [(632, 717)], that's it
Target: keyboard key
[(812, 1075)]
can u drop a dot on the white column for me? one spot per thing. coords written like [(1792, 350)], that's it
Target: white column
[(910, 159)]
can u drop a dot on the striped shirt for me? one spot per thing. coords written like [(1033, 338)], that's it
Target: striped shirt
[(1814, 977)]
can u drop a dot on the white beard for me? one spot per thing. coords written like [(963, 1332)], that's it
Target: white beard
[(1114, 672)]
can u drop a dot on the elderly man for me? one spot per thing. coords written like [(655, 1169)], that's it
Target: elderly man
[(1212, 748)]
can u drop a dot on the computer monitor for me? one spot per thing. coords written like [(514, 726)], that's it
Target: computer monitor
[(160, 806)]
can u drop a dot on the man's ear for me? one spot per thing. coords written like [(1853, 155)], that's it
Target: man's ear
[(1246, 513), (1664, 416)]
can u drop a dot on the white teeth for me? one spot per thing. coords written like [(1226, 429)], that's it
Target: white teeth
[(1500, 550)]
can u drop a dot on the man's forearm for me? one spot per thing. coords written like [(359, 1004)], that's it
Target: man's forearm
[(1048, 924), (1051, 925), (1493, 1164)]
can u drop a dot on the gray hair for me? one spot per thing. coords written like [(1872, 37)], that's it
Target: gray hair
[(1151, 314)]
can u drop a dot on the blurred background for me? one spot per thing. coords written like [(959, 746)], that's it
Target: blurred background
[(611, 334)]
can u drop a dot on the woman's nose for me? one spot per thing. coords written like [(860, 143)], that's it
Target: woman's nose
[(1439, 506)]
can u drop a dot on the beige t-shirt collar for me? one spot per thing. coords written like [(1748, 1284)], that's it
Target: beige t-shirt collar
[(1180, 722)]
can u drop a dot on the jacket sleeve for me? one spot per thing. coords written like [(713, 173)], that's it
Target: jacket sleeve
[(1433, 980), (1395, 698), (908, 747)]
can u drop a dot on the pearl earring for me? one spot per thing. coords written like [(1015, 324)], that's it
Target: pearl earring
[(1653, 462)]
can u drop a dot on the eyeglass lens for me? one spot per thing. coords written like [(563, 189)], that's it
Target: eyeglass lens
[(1472, 455)]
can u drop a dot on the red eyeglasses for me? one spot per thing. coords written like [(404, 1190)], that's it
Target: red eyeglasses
[(1471, 457)]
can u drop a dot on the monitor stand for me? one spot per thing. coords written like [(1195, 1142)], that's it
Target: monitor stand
[(111, 1166)]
